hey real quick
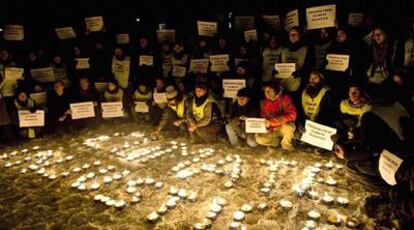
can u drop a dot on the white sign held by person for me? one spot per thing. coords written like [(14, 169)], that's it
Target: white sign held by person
[(12, 75), (43, 75), (65, 33), (318, 135), (82, 63), (40, 98), (29, 119), (232, 86), (273, 21), (94, 24), (122, 39), (250, 35), (292, 19), (321, 17), (160, 98), (388, 166), (244, 22), (166, 35), (112, 109), (199, 65), (179, 71), (101, 86), (285, 70), (355, 19), (13, 33), (147, 60), (82, 110), (255, 125), (141, 107), (207, 28), (219, 63), (337, 62)]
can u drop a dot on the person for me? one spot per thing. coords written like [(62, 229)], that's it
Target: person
[(280, 114), (270, 55), (83, 92), (157, 108), (142, 94), (58, 114), (174, 114), (121, 67), (321, 46), (60, 70), (165, 59), (241, 109), (357, 102), (5, 120), (23, 102), (113, 92), (203, 116)]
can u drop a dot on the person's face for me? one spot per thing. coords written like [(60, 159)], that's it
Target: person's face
[(270, 93), (294, 36), (200, 92), (341, 36), (58, 87), (143, 42), (314, 79), (324, 35), (181, 87), (222, 43), (272, 43), (159, 84), (379, 36), (98, 46), (111, 86), (22, 97), (84, 83), (118, 53), (32, 56), (241, 71), (165, 48), (57, 60), (397, 79), (242, 101), (178, 48), (4, 55), (41, 53), (202, 43), (243, 50), (354, 95), (76, 51)]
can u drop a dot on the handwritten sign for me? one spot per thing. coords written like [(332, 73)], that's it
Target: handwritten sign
[(244, 22), (141, 107), (318, 135), (82, 63), (29, 119), (112, 109), (255, 125), (232, 86), (219, 63), (321, 17), (12, 75), (207, 28), (388, 166), (40, 98), (122, 39), (292, 19), (199, 65), (179, 71), (43, 75), (160, 98), (13, 33), (355, 19), (337, 62), (94, 24), (65, 33), (250, 35), (82, 110), (285, 70), (166, 35), (147, 60), (273, 21)]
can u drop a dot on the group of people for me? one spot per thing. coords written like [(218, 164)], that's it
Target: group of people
[(370, 103)]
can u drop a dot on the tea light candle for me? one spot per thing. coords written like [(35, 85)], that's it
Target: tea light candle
[(90, 175), (85, 166), (173, 191), (199, 226), (311, 224), (97, 197), (97, 163), (327, 198), (153, 216), (149, 181), (65, 174), (76, 170), (119, 204), (220, 201), (171, 202), (238, 215), (262, 206), (158, 185), (228, 184), (265, 190), (75, 184), (235, 225), (299, 191), (342, 200), (352, 223), (246, 208), (131, 190), (314, 214), (331, 181), (313, 195), (211, 215), (192, 197), (111, 167), (52, 177), (23, 171), (182, 193), (162, 210), (69, 158), (139, 181), (103, 171), (333, 217), (135, 199), (117, 176), (287, 204), (104, 199), (82, 187), (95, 186), (107, 179), (329, 165)]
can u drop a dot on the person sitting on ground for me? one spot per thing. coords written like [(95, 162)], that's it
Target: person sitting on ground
[(23, 102), (143, 94), (58, 106)]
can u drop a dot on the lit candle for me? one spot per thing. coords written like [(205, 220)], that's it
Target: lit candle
[(158, 185), (182, 193), (329, 165), (333, 217), (314, 214), (286, 204), (313, 195), (192, 197), (352, 223), (327, 198), (216, 208), (107, 179), (238, 215), (342, 200), (97, 197), (163, 209), (331, 181), (149, 181), (211, 215), (95, 186), (153, 217), (131, 190), (173, 191), (117, 176), (135, 199), (299, 191), (228, 184), (311, 224), (262, 206), (246, 208)]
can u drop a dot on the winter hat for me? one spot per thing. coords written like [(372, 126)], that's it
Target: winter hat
[(171, 92)]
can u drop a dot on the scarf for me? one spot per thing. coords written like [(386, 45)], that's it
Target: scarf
[(200, 100), (312, 90)]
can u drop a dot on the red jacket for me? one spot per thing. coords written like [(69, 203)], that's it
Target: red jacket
[(279, 111)]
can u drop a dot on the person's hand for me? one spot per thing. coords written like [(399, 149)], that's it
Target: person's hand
[(334, 138), (178, 122), (243, 117), (62, 118), (339, 152), (192, 128), (68, 112), (95, 104), (32, 110), (267, 123)]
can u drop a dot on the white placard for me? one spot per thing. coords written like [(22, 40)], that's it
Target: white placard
[(28, 119), (273, 21), (318, 135), (122, 39), (292, 19), (219, 63), (12, 75), (244, 22), (285, 70), (112, 109), (40, 98), (141, 107), (82, 63), (250, 35), (337, 62), (147, 60), (179, 71), (166, 35), (321, 17), (43, 75), (388, 166), (238, 60), (101, 86), (160, 98), (255, 125), (94, 24), (207, 28), (13, 33), (355, 19), (232, 86), (82, 110), (199, 65), (65, 33)]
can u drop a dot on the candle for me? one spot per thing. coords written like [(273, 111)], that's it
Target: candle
[(199, 226), (65, 174), (246, 208), (90, 175), (221, 162), (238, 215), (173, 191), (314, 214), (97, 197), (331, 181), (95, 186), (158, 185), (163, 209), (228, 184), (132, 183), (311, 224), (216, 208), (235, 225), (287, 204), (153, 216), (352, 223), (182, 193), (135, 199), (111, 167), (24, 171), (318, 165), (131, 190), (52, 177), (75, 184), (97, 163), (171, 202), (313, 195), (211, 215), (333, 217), (104, 199), (192, 197), (149, 181), (327, 198), (139, 181), (107, 179), (220, 201), (82, 187), (299, 191), (342, 200), (119, 204), (262, 206), (117, 176), (329, 165), (76, 170), (69, 158), (265, 190), (85, 166), (103, 171)]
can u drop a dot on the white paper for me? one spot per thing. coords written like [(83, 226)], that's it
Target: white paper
[(13, 33), (28, 119), (82, 110), (244, 22), (337, 62), (355, 19), (388, 166), (292, 19), (101, 86), (318, 135), (273, 21), (232, 86), (65, 33), (250, 35), (321, 17), (147, 60), (199, 65), (255, 125), (141, 107), (122, 39), (179, 71), (94, 24), (285, 70), (43, 75), (207, 28), (40, 98), (12, 75), (82, 63), (160, 98), (112, 109), (219, 63), (166, 35)]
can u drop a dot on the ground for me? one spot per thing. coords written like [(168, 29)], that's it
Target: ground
[(31, 200)]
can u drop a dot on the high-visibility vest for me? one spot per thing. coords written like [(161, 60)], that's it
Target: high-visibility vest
[(409, 53), (142, 97), (120, 69), (179, 108), (114, 97), (298, 57), (198, 111), (346, 108), (311, 105)]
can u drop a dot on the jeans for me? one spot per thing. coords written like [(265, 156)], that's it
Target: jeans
[(234, 131)]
